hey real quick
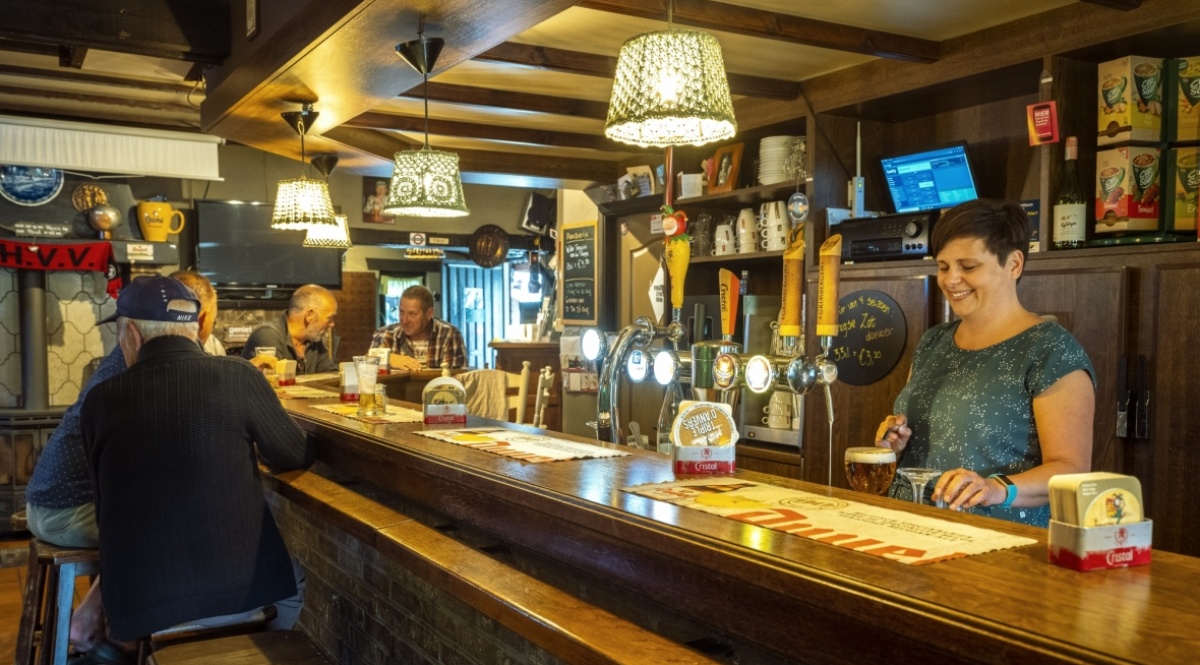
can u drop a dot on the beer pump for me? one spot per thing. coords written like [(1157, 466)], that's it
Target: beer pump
[(786, 368)]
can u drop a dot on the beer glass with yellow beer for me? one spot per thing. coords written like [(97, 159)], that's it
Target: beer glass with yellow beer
[(367, 368), (870, 468)]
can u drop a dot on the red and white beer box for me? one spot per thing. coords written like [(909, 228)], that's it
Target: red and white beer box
[(704, 434), (444, 402), (1100, 547)]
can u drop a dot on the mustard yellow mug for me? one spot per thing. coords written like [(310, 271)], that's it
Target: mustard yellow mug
[(157, 220)]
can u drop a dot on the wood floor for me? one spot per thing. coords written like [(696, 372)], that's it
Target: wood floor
[(12, 586)]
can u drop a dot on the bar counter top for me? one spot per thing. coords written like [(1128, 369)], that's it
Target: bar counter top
[(802, 599)]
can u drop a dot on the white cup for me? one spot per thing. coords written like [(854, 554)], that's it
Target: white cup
[(747, 242), (746, 221), (779, 411)]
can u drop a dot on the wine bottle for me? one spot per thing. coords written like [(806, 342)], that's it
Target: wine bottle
[(1070, 208)]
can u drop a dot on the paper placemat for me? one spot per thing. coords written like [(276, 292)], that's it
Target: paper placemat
[(884, 532), (395, 414), (303, 392), (534, 448)]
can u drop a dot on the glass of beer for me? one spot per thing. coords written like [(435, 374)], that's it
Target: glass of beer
[(870, 468), (367, 368)]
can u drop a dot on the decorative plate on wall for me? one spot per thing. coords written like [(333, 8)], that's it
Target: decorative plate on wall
[(30, 185), (488, 246)]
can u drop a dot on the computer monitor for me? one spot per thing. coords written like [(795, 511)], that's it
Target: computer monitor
[(930, 179)]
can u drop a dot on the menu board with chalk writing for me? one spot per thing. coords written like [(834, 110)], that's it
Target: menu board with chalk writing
[(579, 273), (871, 336)]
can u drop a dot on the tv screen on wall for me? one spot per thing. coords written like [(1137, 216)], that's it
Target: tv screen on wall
[(237, 250)]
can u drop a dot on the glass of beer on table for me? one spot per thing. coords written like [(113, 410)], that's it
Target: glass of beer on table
[(367, 368), (870, 469)]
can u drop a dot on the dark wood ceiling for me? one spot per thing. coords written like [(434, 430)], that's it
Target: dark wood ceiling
[(520, 91)]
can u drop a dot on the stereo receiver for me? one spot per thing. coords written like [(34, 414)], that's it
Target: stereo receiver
[(903, 236)]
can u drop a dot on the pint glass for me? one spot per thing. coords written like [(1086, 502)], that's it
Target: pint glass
[(367, 368)]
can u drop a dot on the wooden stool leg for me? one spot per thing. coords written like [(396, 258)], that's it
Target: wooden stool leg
[(31, 609), (62, 619), (45, 642)]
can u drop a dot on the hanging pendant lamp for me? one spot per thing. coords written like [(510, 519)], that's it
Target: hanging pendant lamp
[(670, 89), (301, 203), (425, 182), (336, 235)]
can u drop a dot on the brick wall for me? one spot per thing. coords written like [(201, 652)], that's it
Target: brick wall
[(361, 608)]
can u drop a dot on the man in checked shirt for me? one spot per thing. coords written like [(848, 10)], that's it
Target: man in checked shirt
[(420, 340)]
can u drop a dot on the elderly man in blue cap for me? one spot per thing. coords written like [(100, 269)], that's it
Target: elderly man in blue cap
[(185, 533)]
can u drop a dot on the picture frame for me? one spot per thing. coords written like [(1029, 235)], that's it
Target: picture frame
[(251, 19), (375, 192), (727, 167)]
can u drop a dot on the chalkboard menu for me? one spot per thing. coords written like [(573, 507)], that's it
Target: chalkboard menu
[(871, 336), (579, 273)]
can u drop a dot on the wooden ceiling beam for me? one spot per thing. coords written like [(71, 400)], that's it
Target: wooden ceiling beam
[(191, 31), (587, 64), (403, 123), (722, 17), (519, 101), (563, 169), (86, 98), (94, 79), (1123, 5)]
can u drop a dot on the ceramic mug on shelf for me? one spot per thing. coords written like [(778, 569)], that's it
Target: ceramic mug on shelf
[(723, 240), (157, 220), (746, 221), (779, 410)]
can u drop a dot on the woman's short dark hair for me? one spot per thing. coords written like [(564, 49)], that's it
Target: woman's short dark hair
[(1001, 225)]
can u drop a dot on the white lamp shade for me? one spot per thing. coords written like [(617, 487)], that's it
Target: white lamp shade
[(426, 183), (336, 235), (301, 204), (670, 89)]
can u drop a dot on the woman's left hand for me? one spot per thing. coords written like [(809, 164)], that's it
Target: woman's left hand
[(963, 488)]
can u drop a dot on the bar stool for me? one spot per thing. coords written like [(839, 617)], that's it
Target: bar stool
[(42, 636), (280, 647)]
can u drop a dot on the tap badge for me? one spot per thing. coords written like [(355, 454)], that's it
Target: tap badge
[(724, 371)]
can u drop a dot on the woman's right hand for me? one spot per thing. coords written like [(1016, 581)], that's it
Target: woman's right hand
[(893, 433)]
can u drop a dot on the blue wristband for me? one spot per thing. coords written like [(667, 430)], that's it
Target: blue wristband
[(1009, 486)]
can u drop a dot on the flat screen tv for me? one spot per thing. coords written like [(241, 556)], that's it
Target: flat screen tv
[(930, 179), (237, 250)]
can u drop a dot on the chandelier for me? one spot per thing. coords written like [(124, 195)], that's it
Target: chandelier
[(301, 203), (425, 182), (670, 89)]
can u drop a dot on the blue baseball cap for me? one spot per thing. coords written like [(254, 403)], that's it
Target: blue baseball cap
[(149, 299)]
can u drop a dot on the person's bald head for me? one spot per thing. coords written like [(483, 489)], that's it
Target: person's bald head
[(313, 310), (204, 290)]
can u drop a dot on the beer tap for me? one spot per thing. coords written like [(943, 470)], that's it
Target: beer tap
[(786, 368)]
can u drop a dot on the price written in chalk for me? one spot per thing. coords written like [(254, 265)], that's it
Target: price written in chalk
[(871, 336), (579, 273)]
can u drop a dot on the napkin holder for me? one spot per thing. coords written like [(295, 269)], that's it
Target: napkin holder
[(1100, 547)]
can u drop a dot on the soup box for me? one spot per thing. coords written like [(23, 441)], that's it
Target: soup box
[(1127, 189), (1182, 84), (1181, 180), (1130, 94)]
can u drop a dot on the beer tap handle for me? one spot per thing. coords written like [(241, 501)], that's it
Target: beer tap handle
[(827, 288), (793, 283), (729, 288)]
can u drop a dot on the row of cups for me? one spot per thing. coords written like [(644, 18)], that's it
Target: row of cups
[(765, 231)]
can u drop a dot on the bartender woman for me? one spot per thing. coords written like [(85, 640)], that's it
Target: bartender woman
[(1001, 399)]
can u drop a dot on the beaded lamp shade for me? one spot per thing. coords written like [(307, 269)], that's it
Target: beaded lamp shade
[(426, 183), (301, 204), (336, 235), (670, 89)]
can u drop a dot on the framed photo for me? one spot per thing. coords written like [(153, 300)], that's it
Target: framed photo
[(375, 192), (727, 166), (251, 19)]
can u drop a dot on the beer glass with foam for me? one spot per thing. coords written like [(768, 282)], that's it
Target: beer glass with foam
[(870, 469)]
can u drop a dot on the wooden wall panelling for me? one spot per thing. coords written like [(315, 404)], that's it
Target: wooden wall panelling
[(1092, 303), (1170, 321), (858, 410), (357, 302)]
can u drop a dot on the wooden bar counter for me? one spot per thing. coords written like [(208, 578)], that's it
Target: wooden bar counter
[(802, 600)]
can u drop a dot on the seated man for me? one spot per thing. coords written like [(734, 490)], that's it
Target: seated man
[(171, 441), (59, 495), (297, 334), (421, 341)]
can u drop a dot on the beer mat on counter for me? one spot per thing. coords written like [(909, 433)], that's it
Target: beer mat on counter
[(323, 376), (534, 448), (395, 414), (302, 392), (883, 532)]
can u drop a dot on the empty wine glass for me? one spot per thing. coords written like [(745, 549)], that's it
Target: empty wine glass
[(918, 477)]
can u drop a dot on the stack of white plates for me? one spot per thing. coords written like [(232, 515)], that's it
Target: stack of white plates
[(772, 157)]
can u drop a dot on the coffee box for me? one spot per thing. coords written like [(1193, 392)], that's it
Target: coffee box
[(1182, 84), (1181, 179), (1128, 181), (1130, 94)]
